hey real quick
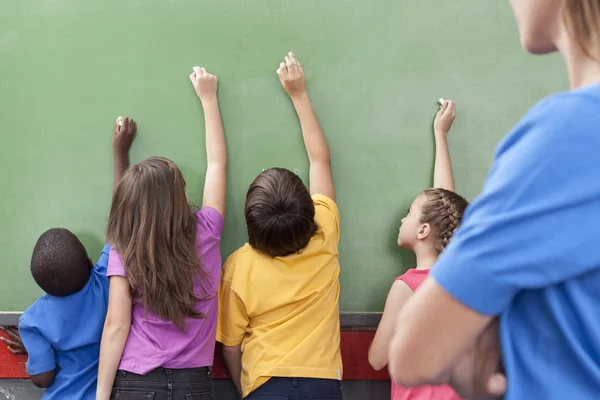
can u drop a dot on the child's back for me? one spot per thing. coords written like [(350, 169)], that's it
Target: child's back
[(279, 296), (286, 309), (62, 333), (155, 342)]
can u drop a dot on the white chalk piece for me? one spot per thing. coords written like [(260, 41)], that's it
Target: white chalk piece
[(441, 101), (278, 71), (120, 121)]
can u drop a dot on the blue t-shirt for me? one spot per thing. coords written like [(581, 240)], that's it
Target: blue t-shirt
[(529, 250), (63, 333)]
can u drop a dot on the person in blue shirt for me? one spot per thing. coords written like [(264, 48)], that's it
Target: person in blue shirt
[(527, 251), (61, 331)]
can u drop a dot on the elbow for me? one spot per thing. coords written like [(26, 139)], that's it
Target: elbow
[(377, 361), (409, 369), (116, 329), (43, 380), (321, 159)]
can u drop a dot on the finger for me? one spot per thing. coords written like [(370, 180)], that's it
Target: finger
[(13, 334), (134, 127), (443, 109), (197, 72), (282, 70), (288, 61), (203, 71), (16, 351), (292, 57), (125, 124), (452, 108), (9, 343), (300, 67)]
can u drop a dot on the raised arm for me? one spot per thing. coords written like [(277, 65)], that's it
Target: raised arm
[(442, 175), (293, 80), (123, 135), (216, 152)]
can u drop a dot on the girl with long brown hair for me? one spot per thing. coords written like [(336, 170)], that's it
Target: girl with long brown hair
[(527, 249), (164, 268)]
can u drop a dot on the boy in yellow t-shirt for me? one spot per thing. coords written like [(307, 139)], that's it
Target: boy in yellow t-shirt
[(279, 295)]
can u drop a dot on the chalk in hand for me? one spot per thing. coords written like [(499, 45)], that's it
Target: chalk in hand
[(278, 71), (120, 121), (441, 101)]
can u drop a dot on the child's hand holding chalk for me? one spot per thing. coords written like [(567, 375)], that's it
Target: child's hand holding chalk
[(292, 76), (123, 134), (204, 83), (444, 118)]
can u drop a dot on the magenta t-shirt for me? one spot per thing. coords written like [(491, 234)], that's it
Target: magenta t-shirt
[(154, 342)]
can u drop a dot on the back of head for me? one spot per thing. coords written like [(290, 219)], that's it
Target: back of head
[(153, 229), (59, 264), (280, 213), (443, 211)]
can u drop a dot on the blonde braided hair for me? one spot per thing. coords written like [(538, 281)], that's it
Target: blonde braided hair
[(443, 211)]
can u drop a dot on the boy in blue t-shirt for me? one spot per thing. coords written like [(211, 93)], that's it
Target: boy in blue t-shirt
[(61, 331)]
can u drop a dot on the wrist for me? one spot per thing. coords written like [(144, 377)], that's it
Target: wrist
[(299, 97), (209, 100), (120, 155), (440, 134)]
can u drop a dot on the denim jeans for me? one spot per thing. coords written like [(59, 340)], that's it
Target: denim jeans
[(298, 389), (164, 384)]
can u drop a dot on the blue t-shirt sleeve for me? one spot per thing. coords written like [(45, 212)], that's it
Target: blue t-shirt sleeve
[(535, 224), (102, 263), (41, 355)]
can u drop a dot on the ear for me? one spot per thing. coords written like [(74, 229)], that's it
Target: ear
[(424, 231)]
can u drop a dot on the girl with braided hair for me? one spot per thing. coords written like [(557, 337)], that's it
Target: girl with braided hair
[(426, 230)]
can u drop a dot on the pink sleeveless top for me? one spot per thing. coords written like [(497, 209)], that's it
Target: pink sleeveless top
[(413, 278)]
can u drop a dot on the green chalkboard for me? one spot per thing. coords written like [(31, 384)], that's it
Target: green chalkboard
[(375, 71)]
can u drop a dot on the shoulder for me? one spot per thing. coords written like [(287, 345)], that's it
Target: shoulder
[(327, 215), (413, 277), (235, 263), (35, 315), (323, 202), (209, 221), (558, 123)]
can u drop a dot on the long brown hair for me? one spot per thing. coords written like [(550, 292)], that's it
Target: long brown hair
[(582, 20), (153, 229), (443, 211)]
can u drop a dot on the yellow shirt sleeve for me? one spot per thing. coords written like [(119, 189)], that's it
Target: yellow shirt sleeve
[(233, 319), (327, 216)]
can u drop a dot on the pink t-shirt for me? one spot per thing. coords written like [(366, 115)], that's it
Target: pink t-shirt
[(154, 342), (413, 278)]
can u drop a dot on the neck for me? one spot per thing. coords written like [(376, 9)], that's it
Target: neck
[(425, 258), (582, 69)]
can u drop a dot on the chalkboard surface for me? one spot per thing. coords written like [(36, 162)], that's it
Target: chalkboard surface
[(375, 71)]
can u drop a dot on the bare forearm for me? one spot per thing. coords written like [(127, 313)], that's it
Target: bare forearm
[(314, 139), (442, 175), (233, 360), (111, 350), (121, 163), (216, 153)]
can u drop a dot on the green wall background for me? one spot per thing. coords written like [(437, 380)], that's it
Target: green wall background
[(375, 71)]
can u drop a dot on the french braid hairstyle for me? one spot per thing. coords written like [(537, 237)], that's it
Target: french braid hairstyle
[(443, 211)]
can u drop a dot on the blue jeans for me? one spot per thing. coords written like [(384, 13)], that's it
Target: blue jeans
[(298, 389)]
